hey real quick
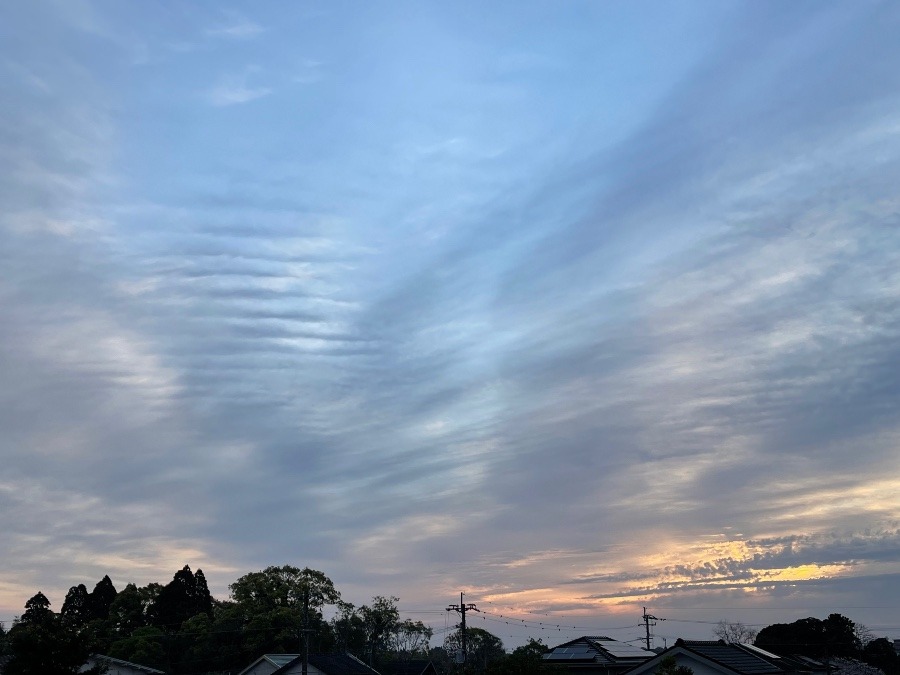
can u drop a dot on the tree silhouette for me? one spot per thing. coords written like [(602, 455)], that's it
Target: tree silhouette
[(40, 642), (185, 596), (482, 648), (734, 633), (101, 598), (76, 609)]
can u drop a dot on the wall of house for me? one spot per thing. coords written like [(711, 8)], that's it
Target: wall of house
[(699, 667)]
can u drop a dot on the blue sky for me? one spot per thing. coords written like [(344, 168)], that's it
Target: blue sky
[(576, 307)]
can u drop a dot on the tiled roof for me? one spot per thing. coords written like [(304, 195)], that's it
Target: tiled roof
[(598, 649), (279, 660), (408, 667), (731, 656), (331, 664), (340, 664), (126, 664)]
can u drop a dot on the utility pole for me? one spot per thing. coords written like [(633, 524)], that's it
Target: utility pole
[(462, 608), (306, 630), (647, 619)]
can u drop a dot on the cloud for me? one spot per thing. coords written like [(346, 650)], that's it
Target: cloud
[(235, 26), (592, 369), (309, 72), (234, 90)]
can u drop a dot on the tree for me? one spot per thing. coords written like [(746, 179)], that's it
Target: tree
[(202, 596), (411, 639), (285, 586), (126, 613), (179, 600), (527, 659), (840, 636), (4, 641), (349, 631), (863, 634), (833, 637), (40, 642), (76, 609), (482, 648), (379, 623), (144, 646), (37, 611), (734, 633), (669, 666), (101, 598), (880, 653), (804, 636), (374, 630), (214, 644), (277, 601)]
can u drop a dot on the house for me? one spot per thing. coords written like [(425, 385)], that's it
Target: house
[(597, 654), (716, 657), (410, 667), (119, 667), (318, 664), (268, 663)]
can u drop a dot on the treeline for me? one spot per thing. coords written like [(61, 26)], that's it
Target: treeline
[(831, 639), (181, 629)]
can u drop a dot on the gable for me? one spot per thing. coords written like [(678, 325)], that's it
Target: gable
[(326, 664), (268, 664), (711, 658)]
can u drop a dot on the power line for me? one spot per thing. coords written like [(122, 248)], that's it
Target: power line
[(552, 624), (462, 608), (647, 624)]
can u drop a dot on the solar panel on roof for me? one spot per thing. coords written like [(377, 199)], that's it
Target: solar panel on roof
[(572, 652), (623, 649), (761, 651)]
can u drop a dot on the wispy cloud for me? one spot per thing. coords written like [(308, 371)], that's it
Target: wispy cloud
[(235, 26), (564, 349), (235, 89), (309, 71)]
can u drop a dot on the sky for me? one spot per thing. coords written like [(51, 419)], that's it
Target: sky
[(577, 308)]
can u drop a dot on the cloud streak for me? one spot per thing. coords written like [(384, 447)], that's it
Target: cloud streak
[(456, 325)]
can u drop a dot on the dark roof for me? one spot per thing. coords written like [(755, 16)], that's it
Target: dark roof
[(277, 660), (733, 657), (597, 649), (332, 664), (101, 658), (409, 667)]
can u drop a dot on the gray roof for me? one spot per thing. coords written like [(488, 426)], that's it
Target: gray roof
[(598, 649), (409, 667), (733, 657), (331, 664), (127, 664), (277, 660)]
